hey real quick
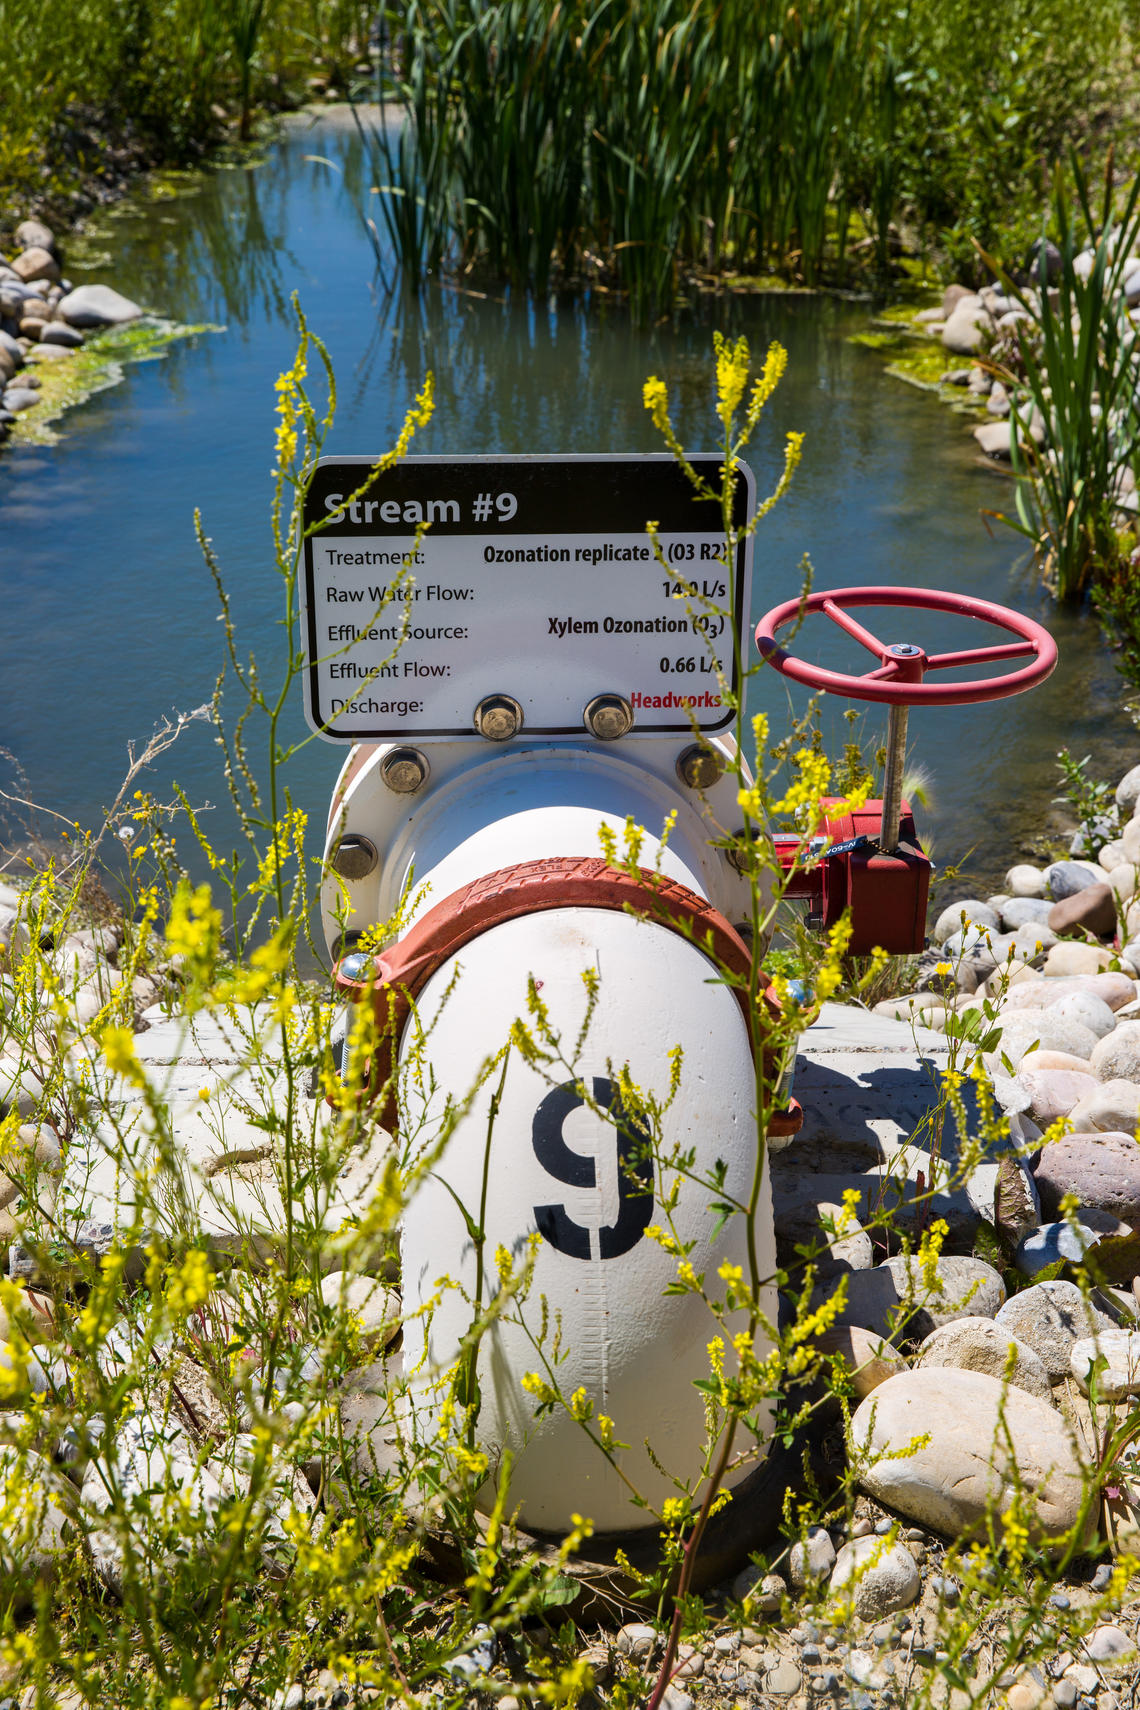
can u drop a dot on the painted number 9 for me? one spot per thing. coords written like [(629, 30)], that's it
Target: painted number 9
[(506, 504), (635, 1174)]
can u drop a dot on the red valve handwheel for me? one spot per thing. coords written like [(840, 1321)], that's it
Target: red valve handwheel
[(898, 678)]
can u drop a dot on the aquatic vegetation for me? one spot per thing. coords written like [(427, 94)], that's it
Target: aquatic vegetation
[(636, 144)]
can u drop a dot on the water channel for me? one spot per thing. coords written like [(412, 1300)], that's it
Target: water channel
[(109, 618)]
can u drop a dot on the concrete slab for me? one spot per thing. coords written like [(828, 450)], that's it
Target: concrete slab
[(870, 1087)]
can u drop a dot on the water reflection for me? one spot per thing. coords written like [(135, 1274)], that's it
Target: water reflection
[(110, 619)]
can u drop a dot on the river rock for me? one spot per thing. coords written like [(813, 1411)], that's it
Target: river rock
[(1092, 909), (1052, 1092), (1058, 1243), (1037, 992), (1049, 1317), (811, 1558), (38, 1536), (1119, 1375), (155, 1467), (1024, 911), (1130, 839), (955, 294), (966, 329), (977, 913), (995, 439), (876, 1577), (36, 263), (33, 234), (374, 1309), (59, 333), (20, 398), (1128, 790), (1066, 878), (1026, 881), (1102, 1170), (980, 1345), (12, 347), (1117, 1056), (1113, 1108), (96, 306), (1124, 879), (869, 1359), (1085, 1009), (894, 1300), (986, 1447), (1044, 1058), (799, 1224), (1058, 1033), (1073, 958)]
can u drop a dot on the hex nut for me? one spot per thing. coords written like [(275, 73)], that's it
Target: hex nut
[(498, 718), (354, 857), (405, 770), (699, 767), (608, 717)]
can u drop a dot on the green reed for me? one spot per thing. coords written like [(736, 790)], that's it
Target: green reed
[(640, 142)]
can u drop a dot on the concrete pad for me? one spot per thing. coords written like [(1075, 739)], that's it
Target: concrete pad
[(868, 1086)]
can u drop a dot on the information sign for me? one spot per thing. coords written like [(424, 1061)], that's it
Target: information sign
[(534, 578)]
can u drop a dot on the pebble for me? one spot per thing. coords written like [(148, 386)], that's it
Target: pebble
[(878, 1577), (869, 1359), (637, 1640), (945, 1589), (811, 1558), (1109, 1644), (1102, 1578), (783, 1680), (1064, 1694), (977, 913), (20, 398)]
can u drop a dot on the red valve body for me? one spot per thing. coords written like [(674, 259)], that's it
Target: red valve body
[(886, 894)]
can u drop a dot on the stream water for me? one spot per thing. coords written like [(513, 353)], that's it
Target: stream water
[(110, 619)]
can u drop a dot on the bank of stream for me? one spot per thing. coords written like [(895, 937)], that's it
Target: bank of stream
[(110, 616)]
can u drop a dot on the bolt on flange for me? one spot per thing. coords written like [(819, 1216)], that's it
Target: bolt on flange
[(608, 717), (404, 770), (354, 857), (498, 718), (699, 767)]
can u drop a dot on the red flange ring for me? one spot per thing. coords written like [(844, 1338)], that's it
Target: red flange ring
[(898, 680), (532, 887)]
